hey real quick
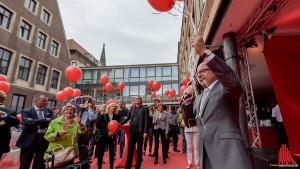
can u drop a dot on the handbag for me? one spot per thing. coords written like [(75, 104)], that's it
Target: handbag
[(62, 155), (97, 136)]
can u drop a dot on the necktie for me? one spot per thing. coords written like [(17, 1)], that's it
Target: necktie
[(40, 114)]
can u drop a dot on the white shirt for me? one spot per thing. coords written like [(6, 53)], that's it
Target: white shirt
[(276, 113)]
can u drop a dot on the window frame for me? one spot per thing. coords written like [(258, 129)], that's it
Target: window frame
[(54, 78), (17, 105), (52, 47), (41, 39), (2, 59), (24, 68), (9, 18), (41, 75)]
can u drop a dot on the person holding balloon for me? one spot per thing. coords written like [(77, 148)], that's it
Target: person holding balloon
[(7, 119), (107, 124)]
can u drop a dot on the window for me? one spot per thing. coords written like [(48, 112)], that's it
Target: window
[(134, 72), (5, 17), (17, 103), (74, 64), (45, 16), (142, 72), (118, 73), (4, 60), (51, 104), (31, 5), (167, 71), (54, 48), (24, 69), (41, 40), (150, 71), (174, 71), (54, 79), (134, 90), (41, 75), (158, 71), (25, 30)]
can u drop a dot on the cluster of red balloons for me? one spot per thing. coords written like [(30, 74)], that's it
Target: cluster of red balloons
[(182, 88), (4, 85), (108, 86), (185, 80), (73, 73), (67, 92), (154, 85), (170, 93), (153, 94)]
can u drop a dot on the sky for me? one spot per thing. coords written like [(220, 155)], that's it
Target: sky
[(131, 32)]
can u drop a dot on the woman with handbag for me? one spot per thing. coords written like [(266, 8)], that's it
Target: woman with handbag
[(62, 135), (107, 137)]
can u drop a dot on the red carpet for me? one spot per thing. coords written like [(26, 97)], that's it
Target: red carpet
[(175, 160)]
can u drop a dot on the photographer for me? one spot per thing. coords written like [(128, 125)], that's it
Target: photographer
[(88, 117)]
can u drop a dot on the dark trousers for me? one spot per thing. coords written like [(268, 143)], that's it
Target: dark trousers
[(162, 134), (134, 138), (83, 145), (121, 140), (101, 149), (282, 134), (150, 138), (36, 151), (173, 132)]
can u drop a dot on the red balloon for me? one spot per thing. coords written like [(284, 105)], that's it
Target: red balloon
[(182, 88), (156, 85), (76, 92), (167, 92), (153, 94), (3, 78), (108, 86), (162, 5), (132, 103), (169, 96), (121, 86), (113, 126), (19, 116), (4, 86), (73, 73), (185, 80), (68, 91), (179, 99), (172, 92), (60, 96), (160, 99), (104, 79), (150, 83)]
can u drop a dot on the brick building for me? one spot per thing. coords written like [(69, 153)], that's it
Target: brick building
[(33, 50)]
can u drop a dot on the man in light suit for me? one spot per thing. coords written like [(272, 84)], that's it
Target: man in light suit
[(31, 141), (217, 112)]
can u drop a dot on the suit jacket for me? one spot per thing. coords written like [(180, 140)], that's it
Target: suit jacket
[(30, 127), (143, 119), (103, 120), (11, 120), (220, 132)]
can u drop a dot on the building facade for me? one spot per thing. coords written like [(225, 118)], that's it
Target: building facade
[(135, 77), (33, 50), (81, 57)]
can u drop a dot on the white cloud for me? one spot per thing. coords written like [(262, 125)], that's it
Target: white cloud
[(131, 33)]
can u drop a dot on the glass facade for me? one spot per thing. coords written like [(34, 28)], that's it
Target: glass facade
[(136, 79)]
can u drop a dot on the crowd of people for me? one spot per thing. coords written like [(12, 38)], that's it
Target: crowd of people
[(208, 123)]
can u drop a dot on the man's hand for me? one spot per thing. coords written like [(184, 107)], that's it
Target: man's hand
[(48, 119), (190, 90), (199, 45), (78, 120), (2, 123), (145, 135)]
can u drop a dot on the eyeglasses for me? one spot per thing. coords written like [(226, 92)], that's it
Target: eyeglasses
[(203, 70)]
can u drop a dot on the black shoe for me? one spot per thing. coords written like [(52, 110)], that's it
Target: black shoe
[(165, 161), (176, 150), (152, 155), (155, 161)]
